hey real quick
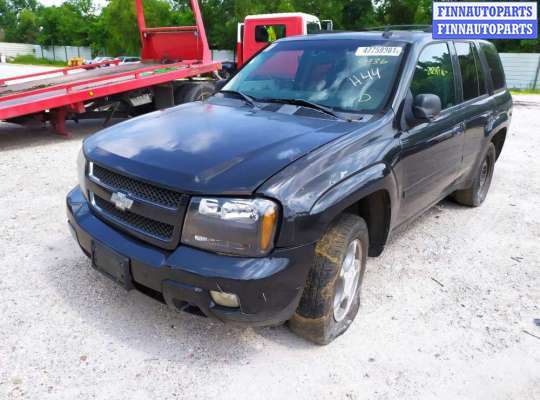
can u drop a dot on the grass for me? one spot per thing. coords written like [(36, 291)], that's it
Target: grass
[(525, 91), (32, 60)]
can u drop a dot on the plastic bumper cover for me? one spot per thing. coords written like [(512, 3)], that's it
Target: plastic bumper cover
[(269, 288)]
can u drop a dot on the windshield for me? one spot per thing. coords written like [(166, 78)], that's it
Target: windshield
[(353, 76)]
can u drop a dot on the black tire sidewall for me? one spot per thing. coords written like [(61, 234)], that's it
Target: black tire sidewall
[(480, 192), (191, 91), (314, 318), (336, 328), (195, 93)]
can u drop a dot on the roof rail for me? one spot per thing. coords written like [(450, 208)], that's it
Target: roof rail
[(388, 28)]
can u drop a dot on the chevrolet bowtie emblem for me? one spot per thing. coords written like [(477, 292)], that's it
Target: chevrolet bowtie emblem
[(121, 201)]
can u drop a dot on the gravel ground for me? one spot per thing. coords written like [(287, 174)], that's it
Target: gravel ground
[(447, 310)]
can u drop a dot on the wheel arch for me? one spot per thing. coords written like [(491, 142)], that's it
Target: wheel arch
[(376, 210), (498, 140), (369, 194)]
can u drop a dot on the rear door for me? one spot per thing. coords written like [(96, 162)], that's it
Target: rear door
[(501, 99), (431, 151), (475, 104)]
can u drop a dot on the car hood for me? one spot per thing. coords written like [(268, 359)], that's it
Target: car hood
[(209, 148)]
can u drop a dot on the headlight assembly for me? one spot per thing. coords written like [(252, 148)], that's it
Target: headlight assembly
[(244, 227)]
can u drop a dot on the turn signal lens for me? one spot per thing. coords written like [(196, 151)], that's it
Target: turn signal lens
[(268, 227)]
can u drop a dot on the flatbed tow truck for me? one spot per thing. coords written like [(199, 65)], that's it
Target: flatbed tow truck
[(176, 67), (169, 54)]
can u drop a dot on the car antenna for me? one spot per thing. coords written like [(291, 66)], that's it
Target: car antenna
[(387, 32)]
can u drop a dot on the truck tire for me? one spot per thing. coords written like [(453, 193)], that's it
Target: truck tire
[(476, 194), (331, 298), (193, 91)]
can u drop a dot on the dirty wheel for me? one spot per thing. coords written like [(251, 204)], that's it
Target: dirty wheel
[(331, 297), (476, 194), (193, 91)]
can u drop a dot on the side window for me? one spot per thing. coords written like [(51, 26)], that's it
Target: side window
[(269, 33), (481, 74), (469, 71), (434, 74), (313, 27), (495, 65)]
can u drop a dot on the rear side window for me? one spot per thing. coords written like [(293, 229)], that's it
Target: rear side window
[(434, 74), (481, 73), (313, 27), (494, 64), (469, 71), (269, 33)]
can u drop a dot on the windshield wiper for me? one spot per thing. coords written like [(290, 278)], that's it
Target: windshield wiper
[(248, 99), (306, 103)]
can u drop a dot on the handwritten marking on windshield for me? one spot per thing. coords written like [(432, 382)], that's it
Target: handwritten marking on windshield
[(364, 98), (378, 61), (371, 74)]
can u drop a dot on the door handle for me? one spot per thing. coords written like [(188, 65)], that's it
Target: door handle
[(459, 129)]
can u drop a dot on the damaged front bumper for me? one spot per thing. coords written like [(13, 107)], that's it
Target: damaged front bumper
[(269, 289)]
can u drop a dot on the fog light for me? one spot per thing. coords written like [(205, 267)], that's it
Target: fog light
[(225, 299)]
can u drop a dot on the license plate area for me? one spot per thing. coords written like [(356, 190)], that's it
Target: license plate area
[(112, 264)]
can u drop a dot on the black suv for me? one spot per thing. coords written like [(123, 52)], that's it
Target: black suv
[(261, 204)]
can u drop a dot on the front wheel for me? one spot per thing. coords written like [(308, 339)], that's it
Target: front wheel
[(477, 193), (331, 297)]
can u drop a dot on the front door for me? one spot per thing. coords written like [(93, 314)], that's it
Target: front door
[(431, 151)]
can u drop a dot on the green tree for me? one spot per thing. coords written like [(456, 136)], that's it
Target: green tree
[(69, 24), (404, 12), (357, 14), (113, 29), (7, 18), (118, 22), (18, 20), (27, 27)]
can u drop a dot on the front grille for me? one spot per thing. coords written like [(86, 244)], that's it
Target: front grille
[(155, 215), (142, 190), (145, 225)]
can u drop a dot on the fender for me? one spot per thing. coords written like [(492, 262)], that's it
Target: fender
[(352, 189), (499, 120), (357, 192), (314, 189)]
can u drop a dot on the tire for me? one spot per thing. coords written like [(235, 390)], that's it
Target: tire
[(225, 74), (475, 195), (193, 91), (316, 318)]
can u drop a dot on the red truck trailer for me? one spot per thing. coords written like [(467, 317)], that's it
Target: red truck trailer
[(169, 54), (176, 67)]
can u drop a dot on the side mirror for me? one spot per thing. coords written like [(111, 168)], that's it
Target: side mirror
[(426, 106), (327, 25)]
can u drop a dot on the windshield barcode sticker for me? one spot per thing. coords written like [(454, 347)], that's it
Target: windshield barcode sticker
[(379, 51)]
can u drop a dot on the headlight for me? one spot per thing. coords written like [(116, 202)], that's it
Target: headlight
[(243, 227), (81, 172)]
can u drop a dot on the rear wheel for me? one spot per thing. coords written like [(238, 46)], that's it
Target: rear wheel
[(193, 91), (331, 297), (477, 193)]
